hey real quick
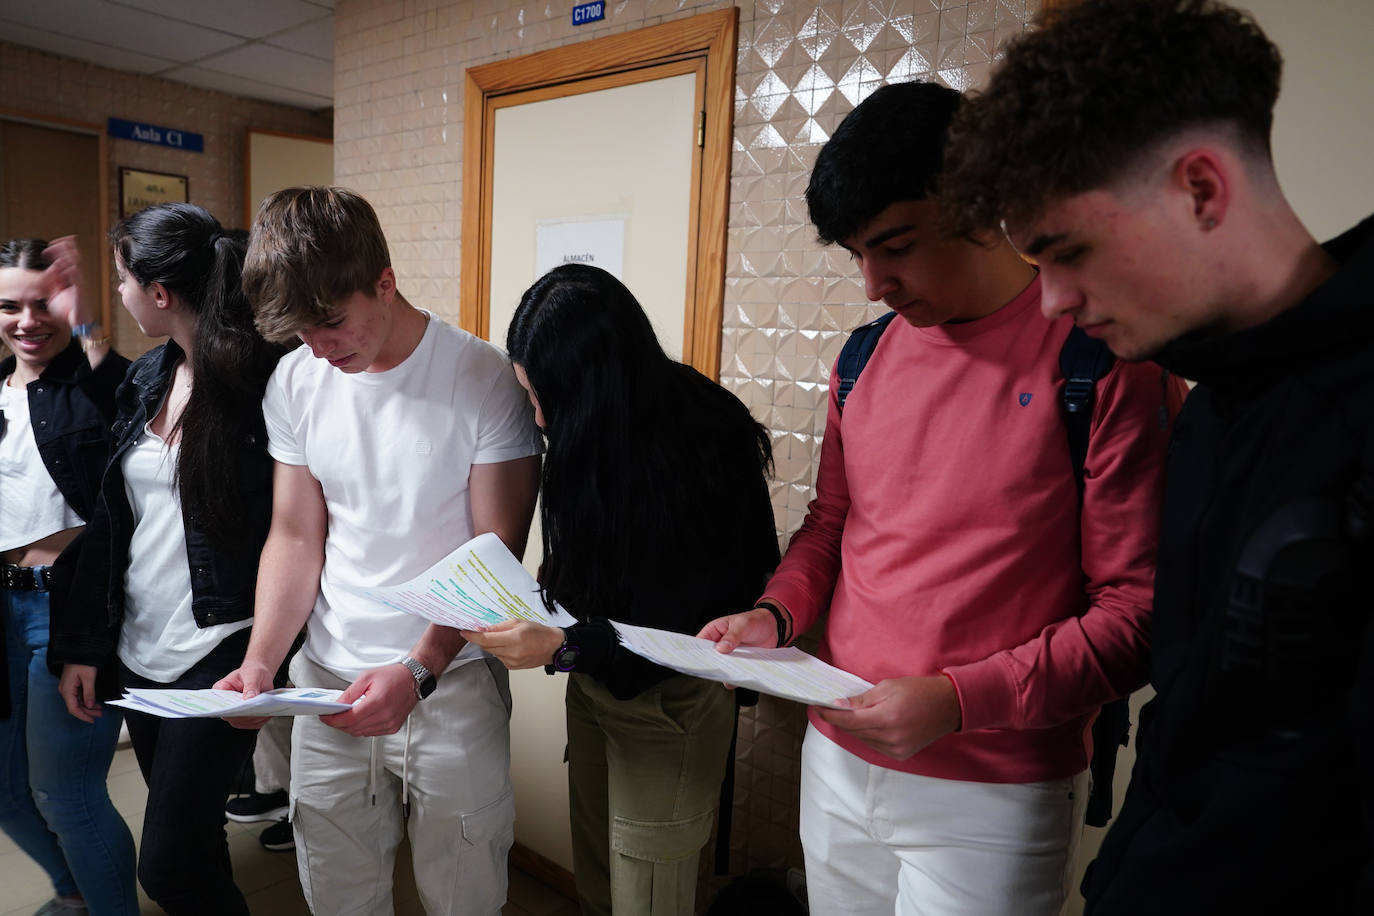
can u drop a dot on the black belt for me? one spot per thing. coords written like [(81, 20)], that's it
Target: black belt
[(26, 578)]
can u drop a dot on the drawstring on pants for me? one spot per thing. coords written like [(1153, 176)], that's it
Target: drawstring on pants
[(405, 775), (372, 771)]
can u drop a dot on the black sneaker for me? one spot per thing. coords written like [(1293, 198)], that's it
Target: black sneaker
[(255, 807), (279, 837)]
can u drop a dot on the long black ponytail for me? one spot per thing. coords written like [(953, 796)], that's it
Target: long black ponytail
[(186, 249)]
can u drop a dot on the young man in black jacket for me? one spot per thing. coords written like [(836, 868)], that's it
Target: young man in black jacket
[(1125, 149)]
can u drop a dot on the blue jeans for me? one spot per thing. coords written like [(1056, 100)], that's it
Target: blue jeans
[(54, 803)]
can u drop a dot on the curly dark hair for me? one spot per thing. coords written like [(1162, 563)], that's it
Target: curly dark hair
[(1074, 104), (886, 150)]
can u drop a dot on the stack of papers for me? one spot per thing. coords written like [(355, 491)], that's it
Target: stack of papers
[(789, 673), (210, 704)]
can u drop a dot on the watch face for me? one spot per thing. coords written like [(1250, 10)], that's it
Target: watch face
[(566, 658), (426, 686)]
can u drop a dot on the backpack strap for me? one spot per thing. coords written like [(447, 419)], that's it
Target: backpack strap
[(856, 351), (1084, 360)]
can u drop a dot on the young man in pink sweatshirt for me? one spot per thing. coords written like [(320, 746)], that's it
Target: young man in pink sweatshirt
[(994, 609)]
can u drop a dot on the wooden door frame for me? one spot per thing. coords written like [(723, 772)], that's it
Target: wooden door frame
[(711, 36), (103, 200)]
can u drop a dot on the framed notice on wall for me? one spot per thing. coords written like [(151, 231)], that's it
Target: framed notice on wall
[(139, 189)]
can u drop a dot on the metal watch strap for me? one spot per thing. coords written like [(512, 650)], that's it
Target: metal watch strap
[(422, 675)]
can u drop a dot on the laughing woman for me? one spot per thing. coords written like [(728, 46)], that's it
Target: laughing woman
[(655, 512), (163, 591), (56, 405)]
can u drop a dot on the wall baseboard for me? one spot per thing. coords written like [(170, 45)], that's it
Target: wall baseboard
[(544, 870)]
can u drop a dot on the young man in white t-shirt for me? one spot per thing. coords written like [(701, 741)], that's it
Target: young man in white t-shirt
[(397, 437)]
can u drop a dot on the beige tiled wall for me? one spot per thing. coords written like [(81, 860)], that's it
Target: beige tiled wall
[(801, 67), (45, 85)]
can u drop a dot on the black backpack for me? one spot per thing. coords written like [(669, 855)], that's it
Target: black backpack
[(1083, 360)]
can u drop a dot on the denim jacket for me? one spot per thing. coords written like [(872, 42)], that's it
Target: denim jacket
[(88, 594), (71, 406)]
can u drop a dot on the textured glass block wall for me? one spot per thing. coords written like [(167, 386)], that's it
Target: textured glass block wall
[(801, 69)]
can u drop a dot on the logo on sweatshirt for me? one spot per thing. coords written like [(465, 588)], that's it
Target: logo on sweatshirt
[(1024, 398)]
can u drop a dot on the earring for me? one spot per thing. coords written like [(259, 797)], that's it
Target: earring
[(1209, 223)]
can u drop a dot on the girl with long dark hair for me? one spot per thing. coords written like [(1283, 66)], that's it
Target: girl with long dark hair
[(56, 405), (162, 593), (655, 512)]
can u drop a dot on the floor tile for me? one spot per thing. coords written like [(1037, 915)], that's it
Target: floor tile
[(268, 879)]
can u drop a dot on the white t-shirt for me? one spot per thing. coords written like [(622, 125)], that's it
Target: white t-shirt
[(160, 639), (31, 505), (392, 451)]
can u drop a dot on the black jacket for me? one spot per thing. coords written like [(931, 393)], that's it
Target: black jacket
[(88, 594), (1253, 790), (71, 406)]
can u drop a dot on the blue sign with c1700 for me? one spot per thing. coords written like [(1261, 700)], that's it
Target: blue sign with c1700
[(589, 12), (161, 136)]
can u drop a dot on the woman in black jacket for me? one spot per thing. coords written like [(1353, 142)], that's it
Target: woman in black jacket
[(56, 405), (164, 583), (655, 512)]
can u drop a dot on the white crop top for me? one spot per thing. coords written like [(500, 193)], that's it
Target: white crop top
[(31, 506)]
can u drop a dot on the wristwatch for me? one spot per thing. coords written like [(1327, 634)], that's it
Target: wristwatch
[(425, 681), (565, 658)]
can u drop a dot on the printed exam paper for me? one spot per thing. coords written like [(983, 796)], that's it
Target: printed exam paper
[(789, 673), (477, 586), (209, 704)]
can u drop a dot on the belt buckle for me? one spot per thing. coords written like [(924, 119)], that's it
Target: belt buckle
[(37, 573)]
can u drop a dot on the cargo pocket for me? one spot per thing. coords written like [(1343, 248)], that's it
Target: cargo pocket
[(654, 864), (481, 874), (487, 823), (661, 842)]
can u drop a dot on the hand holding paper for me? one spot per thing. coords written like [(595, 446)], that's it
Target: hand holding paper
[(900, 716), (788, 673)]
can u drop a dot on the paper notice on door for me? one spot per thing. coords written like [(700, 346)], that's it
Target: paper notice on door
[(598, 242), (789, 673), (477, 586)]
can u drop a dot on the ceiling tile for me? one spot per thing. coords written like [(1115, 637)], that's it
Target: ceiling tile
[(277, 66), (314, 38), (250, 88), (90, 52), (117, 26), (245, 18)]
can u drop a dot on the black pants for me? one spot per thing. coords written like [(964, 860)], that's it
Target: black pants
[(190, 766)]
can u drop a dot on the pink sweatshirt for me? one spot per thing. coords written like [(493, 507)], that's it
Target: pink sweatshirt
[(947, 537)]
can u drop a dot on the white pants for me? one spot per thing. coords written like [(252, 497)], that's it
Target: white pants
[(272, 756), (879, 841), (462, 810)]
